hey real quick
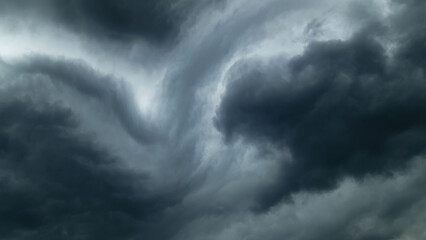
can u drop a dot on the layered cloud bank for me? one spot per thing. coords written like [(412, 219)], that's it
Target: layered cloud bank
[(221, 119)]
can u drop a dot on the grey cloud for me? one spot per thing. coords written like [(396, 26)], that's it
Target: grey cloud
[(79, 161), (343, 108), (376, 208), (112, 93), (109, 100), (61, 182), (56, 184), (199, 62), (156, 21)]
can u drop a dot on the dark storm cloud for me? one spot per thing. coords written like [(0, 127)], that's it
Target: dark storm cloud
[(56, 184), (156, 21), (199, 62), (80, 161), (375, 208), (60, 183), (343, 108), (111, 93), (387, 215)]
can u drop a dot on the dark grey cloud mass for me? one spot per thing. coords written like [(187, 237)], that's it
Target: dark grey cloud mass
[(273, 119), (153, 20), (344, 108), (113, 95), (56, 184)]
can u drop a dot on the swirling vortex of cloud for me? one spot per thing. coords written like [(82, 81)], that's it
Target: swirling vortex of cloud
[(227, 119)]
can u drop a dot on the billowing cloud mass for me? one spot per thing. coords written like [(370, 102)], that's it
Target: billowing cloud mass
[(230, 119)]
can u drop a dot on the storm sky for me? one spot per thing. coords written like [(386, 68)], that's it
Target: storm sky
[(212, 119)]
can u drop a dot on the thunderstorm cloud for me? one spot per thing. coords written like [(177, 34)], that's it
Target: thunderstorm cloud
[(213, 120)]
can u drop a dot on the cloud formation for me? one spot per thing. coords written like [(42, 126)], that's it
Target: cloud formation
[(232, 119), (57, 184), (343, 108), (155, 21)]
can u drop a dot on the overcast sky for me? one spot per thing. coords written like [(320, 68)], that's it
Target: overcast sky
[(212, 119)]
